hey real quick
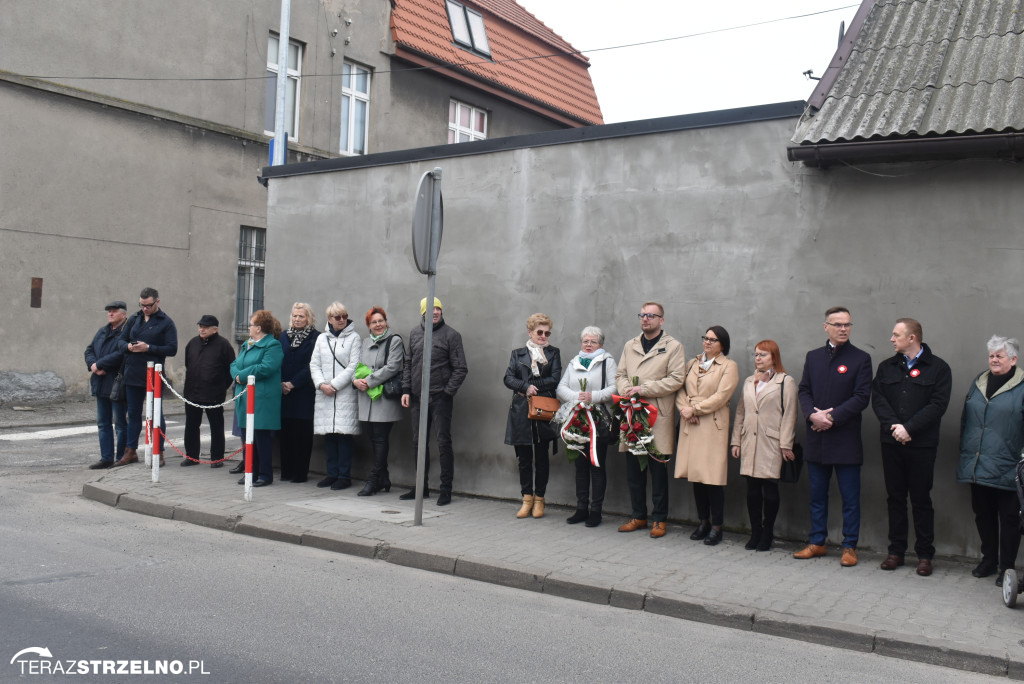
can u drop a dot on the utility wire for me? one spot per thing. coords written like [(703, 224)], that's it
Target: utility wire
[(459, 64)]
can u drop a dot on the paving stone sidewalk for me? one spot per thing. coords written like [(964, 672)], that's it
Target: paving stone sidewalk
[(949, 619)]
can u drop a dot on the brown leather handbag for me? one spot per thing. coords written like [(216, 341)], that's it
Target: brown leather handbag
[(542, 408)]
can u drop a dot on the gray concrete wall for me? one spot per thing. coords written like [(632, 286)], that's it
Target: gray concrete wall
[(714, 223), (97, 220)]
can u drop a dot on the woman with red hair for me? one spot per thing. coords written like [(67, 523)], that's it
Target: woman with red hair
[(762, 436)]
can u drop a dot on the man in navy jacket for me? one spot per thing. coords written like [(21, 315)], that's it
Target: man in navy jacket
[(103, 359), (910, 394), (834, 391), (149, 335)]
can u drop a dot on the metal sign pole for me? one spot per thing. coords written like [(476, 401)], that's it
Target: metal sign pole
[(427, 263)]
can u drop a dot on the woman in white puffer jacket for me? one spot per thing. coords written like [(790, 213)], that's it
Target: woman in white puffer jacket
[(336, 407)]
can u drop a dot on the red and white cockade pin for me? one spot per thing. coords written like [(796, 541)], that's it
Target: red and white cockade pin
[(914, 373), (842, 369)]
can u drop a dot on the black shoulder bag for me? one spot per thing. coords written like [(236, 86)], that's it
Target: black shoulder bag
[(791, 469), (393, 385)]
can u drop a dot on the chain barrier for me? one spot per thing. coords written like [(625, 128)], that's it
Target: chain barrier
[(167, 440)]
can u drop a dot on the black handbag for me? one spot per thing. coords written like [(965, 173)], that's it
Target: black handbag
[(608, 429), (791, 469), (392, 387), (117, 388)]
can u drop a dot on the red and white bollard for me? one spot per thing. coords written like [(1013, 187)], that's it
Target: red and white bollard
[(158, 411), (147, 425), (250, 420)]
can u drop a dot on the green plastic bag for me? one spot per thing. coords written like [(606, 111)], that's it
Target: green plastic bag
[(364, 371)]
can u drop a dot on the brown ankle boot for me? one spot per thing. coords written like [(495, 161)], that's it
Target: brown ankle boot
[(538, 507), (524, 512), (130, 456)]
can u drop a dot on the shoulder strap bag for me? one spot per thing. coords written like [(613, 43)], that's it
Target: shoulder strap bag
[(790, 469), (393, 385)]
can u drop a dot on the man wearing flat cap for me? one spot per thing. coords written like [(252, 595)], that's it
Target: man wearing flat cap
[(448, 370), (103, 358), (208, 358)]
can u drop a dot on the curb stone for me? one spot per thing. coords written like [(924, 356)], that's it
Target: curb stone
[(630, 600), (265, 529), (419, 558), (723, 616), (497, 574), (817, 632), (145, 505), (206, 518), (577, 591), (340, 543), (103, 494), (925, 650)]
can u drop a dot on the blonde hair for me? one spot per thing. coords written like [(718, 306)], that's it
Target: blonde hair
[(537, 319), (308, 310), (336, 308)]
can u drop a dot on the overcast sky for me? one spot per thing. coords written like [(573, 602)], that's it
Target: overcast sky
[(737, 68)]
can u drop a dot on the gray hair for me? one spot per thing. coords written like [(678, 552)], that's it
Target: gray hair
[(1010, 344), (594, 331)]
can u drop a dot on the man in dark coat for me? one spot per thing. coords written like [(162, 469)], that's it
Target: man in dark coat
[(448, 370), (208, 358), (103, 359), (149, 335), (910, 394), (834, 390)]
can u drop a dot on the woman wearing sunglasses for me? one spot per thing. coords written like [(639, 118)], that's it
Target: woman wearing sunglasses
[(336, 407), (532, 370)]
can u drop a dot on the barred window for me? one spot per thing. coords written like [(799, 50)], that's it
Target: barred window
[(252, 257)]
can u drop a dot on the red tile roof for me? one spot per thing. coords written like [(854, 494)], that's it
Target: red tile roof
[(558, 84)]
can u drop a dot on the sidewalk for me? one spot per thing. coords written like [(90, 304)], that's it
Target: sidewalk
[(949, 619)]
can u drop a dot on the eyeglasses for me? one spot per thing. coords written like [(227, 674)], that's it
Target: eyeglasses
[(339, 318), (644, 316), (710, 340), (841, 326), (543, 333), (146, 306)]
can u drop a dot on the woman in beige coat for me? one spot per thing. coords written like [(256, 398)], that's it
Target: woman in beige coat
[(702, 455), (762, 436)]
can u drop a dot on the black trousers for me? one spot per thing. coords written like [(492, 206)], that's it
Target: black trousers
[(710, 501), (997, 515), (592, 481), (910, 470), (529, 456), (380, 441), (637, 480), (193, 420), (762, 503), (439, 415), (296, 440)]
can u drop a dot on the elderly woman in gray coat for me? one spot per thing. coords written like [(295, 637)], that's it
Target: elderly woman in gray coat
[(597, 367), (384, 353)]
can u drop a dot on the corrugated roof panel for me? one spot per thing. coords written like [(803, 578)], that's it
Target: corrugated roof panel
[(919, 68)]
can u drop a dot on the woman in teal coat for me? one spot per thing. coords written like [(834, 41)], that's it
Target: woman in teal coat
[(261, 356)]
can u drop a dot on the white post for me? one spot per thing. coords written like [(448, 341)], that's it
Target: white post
[(158, 411), (148, 425), (250, 427), (280, 155)]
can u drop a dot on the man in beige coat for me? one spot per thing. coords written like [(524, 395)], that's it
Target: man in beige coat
[(658, 361)]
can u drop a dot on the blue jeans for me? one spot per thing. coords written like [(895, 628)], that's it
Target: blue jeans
[(111, 419), (848, 479), (135, 398), (339, 455)]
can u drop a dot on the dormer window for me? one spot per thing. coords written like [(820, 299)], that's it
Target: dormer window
[(468, 27)]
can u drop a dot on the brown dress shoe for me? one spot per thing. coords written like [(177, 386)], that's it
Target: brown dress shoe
[(130, 456), (633, 525), (658, 530), (849, 558), (924, 567), (811, 551), (891, 562)]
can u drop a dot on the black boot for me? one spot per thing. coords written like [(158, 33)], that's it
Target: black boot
[(369, 489), (579, 516), (594, 519), (702, 530), (755, 538)]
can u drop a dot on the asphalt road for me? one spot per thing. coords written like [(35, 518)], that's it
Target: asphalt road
[(90, 582)]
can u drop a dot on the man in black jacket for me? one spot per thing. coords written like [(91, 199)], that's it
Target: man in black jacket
[(448, 370), (909, 395), (104, 359), (208, 358)]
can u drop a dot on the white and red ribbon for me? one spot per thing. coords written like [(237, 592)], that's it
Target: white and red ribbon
[(574, 441)]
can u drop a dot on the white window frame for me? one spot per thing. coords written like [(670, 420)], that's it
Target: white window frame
[(455, 129), (468, 27), (350, 95), (293, 75), (252, 263)]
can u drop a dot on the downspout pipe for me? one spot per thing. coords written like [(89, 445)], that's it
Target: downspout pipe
[(984, 146)]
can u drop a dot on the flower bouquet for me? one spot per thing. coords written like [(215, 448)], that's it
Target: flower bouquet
[(580, 429), (636, 418)]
